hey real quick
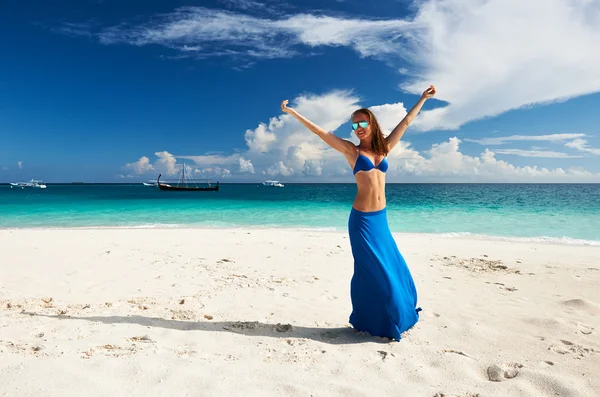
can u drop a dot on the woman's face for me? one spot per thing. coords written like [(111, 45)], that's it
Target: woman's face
[(361, 126)]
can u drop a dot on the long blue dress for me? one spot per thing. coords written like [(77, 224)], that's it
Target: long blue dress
[(383, 293)]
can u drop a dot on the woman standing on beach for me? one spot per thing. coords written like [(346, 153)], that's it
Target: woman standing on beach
[(384, 297)]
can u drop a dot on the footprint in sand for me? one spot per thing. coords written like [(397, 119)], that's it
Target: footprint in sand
[(498, 373), (109, 351), (456, 352), (544, 323), (184, 315), (283, 327), (338, 333), (243, 325), (566, 347), (384, 354), (586, 330), (478, 265), (143, 338), (22, 348), (583, 305), (431, 315)]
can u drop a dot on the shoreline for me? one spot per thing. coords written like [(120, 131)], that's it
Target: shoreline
[(566, 241)]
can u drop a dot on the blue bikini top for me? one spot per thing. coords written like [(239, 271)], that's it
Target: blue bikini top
[(364, 163)]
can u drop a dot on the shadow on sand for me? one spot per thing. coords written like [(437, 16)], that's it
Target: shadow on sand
[(335, 336)]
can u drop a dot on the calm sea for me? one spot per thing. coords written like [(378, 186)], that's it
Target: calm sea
[(557, 212)]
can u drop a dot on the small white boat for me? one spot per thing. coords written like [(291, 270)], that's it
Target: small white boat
[(272, 184), (34, 183), (150, 184)]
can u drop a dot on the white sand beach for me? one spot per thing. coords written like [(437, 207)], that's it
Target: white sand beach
[(264, 312)]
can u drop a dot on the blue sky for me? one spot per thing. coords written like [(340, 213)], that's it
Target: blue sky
[(119, 91)]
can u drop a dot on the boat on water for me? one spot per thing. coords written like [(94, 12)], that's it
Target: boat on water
[(272, 184), (186, 184), (150, 184), (34, 183)]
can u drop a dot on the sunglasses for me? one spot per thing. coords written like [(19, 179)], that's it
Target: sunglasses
[(363, 124)]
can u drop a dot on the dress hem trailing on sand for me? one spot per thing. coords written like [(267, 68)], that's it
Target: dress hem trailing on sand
[(383, 293)]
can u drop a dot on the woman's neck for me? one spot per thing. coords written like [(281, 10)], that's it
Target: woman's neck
[(366, 143)]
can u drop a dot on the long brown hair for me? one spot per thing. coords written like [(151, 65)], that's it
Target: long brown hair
[(378, 145)]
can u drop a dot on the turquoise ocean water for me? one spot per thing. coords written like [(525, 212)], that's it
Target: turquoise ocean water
[(568, 213)]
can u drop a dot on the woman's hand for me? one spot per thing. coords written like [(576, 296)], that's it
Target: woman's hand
[(284, 107), (429, 93)]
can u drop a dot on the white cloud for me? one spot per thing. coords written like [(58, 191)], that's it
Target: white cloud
[(75, 29), (535, 153), (582, 145), (485, 57), (211, 159), (213, 172), (488, 57), (445, 163), (20, 164), (260, 139), (216, 32), (166, 163), (504, 139), (312, 168), (285, 147), (246, 165), (389, 115), (245, 5), (366, 37), (226, 33), (141, 166), (279, 169), (574, 142)]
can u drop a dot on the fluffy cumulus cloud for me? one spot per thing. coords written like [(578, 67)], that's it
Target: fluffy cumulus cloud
[(246, 165), (141, 166), (284, 148), (466, 47), (165, 163), (445, 162)]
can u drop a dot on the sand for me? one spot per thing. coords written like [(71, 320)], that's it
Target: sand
[(264, 312)]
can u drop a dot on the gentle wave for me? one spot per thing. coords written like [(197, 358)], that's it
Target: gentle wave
[(534, 239)]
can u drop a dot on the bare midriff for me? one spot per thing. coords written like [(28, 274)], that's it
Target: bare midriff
[(371, 191)]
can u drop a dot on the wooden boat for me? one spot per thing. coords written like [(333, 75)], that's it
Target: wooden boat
[(185, 185)]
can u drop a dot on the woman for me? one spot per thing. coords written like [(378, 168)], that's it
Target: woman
[(384, 297)]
